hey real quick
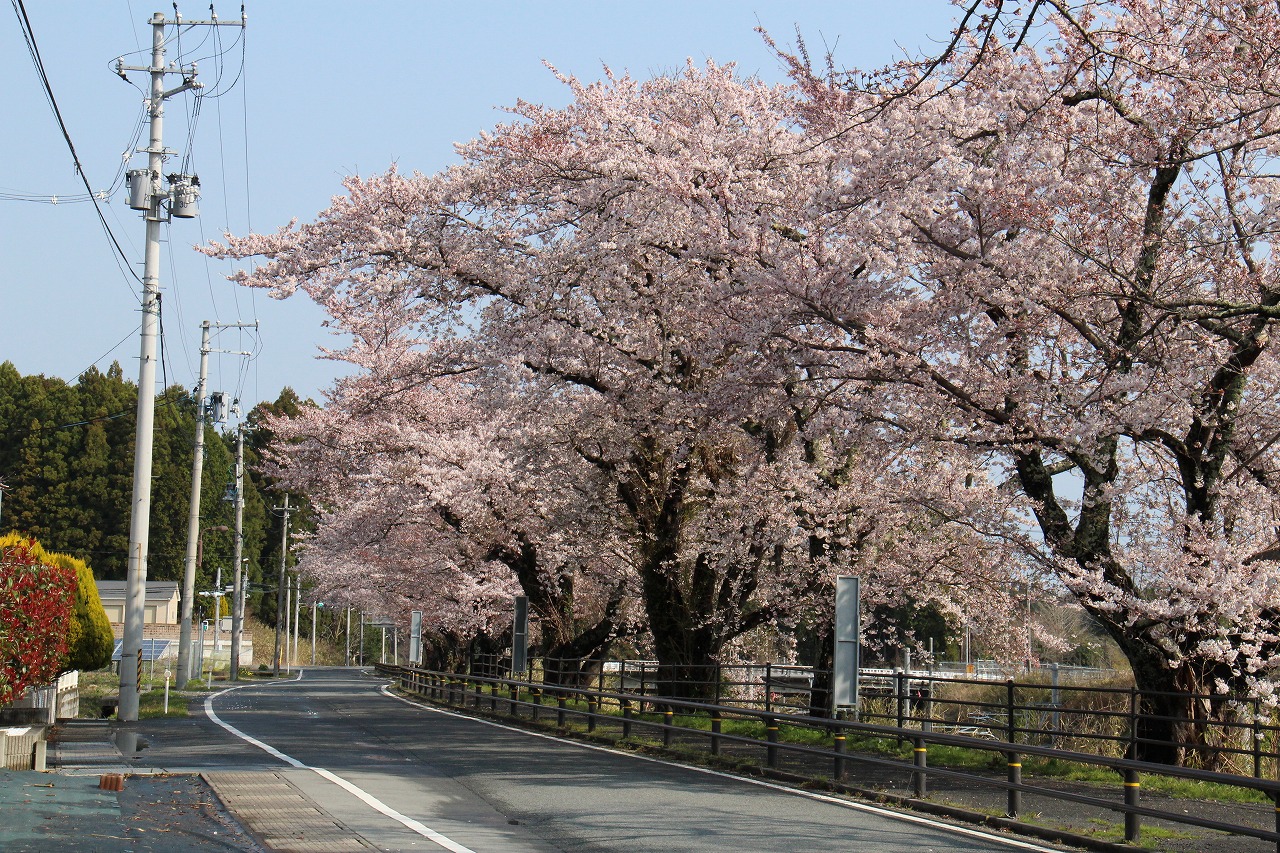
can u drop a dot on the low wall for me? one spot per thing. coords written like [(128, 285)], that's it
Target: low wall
[(23, 747)]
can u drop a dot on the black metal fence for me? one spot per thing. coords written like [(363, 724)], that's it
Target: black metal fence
[(910, 708), (1056, 709)]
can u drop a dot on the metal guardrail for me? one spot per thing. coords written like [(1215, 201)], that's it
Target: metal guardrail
[(523, 698)]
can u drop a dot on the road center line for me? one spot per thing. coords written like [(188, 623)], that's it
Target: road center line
[(812, 795), (361, 794)]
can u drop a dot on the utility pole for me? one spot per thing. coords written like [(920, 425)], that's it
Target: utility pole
[(237, 591), (280, 588), (193, 518), (203, 403), (146, 194), (297, 614)]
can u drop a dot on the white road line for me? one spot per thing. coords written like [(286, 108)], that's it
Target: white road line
[(863, 807), (364, 796)]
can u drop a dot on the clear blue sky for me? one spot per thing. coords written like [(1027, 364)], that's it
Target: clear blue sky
[(327, 89)]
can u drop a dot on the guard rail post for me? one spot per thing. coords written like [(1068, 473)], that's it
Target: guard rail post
[(715, 734), (919, 776), (626, 718), (1015, 778), (593, 708), (771, 734), (667, 716), (560, 711), (535, 696), (840, 745), (1132, 820)]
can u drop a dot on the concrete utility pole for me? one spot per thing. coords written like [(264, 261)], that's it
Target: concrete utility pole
[(146, 194), (297, 613), (237, 591), (193, 518), (203, 402), (280, 588)]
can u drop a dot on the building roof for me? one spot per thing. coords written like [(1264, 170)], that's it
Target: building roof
[(156, 590)]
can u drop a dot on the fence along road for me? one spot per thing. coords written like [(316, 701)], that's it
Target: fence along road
[(387, 768)]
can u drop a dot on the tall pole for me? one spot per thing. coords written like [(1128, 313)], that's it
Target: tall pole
[(140, 515), (237, 590), (193, 517), (280, 584), (348, 635), (297, 614), (314, 611), (217, 613)]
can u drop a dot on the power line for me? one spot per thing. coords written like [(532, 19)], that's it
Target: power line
[(28, 36)]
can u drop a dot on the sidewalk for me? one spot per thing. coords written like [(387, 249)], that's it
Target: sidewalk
[(240, 806)]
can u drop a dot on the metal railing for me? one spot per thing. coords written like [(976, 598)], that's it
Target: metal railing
[(1063, 708), (624, 698)]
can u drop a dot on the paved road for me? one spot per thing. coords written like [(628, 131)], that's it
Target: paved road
[(404, 777)]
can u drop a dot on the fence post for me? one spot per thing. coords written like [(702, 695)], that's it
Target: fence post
[(1011, 727), (840, 773), (771, 734), (1015, 778), (1257, 738), (1133, 723), (715, 732), (768, 688), (1132, 820), (718, 679), (919, 777), (899, 699)]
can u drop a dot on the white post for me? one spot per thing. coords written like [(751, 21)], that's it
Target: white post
[(193, 516), (314, 611), (237, 590), (281, 611), (217, 613), (297, 614), (140, 507), (288, 629)]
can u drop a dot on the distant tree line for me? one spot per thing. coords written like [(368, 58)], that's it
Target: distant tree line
[(66, 458)]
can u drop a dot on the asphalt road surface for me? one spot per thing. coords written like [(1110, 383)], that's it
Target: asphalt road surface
[(406, 777)]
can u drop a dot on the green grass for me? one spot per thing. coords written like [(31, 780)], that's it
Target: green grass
[(101, 684)]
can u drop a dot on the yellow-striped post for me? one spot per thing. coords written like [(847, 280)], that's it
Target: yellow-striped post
[(1015, 778), (1132, 821), (919, 776)]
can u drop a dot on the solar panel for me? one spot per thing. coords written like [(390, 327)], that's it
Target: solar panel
[(152, 649)]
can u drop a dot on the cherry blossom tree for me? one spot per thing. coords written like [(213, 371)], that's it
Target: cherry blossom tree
[(1054, 242), (429, 502), (604, 273)]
